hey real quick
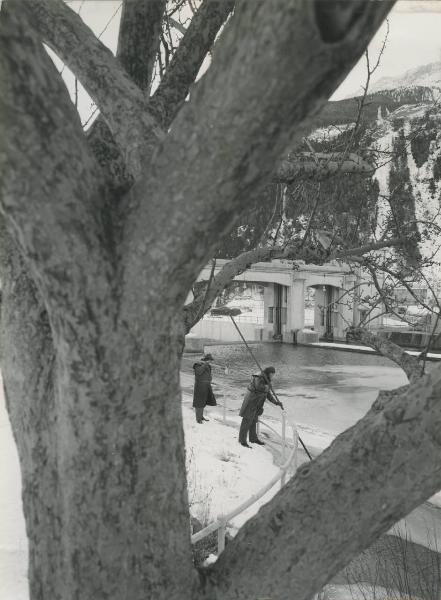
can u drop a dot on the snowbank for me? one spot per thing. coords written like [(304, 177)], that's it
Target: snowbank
[(221, 473), (13, 541)]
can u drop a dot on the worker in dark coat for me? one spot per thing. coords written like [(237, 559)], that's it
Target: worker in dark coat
[(203, 392), (257, 392)]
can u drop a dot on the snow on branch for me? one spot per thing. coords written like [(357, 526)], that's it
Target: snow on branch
[(197, 42), (120, 101), (49, 178), (336, 506), (320, 164)]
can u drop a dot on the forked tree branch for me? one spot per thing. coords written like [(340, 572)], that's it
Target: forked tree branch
[(50, 186), (120, 101), (174, 23), (138, 43), (139, 20), (197, 42), (336, 506)]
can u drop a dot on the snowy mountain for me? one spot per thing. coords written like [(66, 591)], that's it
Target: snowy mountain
[(399, 132), (402, 117), (428, 76), (410, 94)]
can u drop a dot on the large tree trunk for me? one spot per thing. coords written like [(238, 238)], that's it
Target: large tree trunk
[(124, 483), (92, 384), (100, 442), (102, 454), (27, 369)]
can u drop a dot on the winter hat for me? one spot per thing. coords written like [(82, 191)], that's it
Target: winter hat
[(269, 370), (207, 357)]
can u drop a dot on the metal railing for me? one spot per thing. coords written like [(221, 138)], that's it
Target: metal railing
[(221, 523), (244, 318)]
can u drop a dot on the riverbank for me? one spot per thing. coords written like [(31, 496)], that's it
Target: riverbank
[(393, 561), (324, 392)]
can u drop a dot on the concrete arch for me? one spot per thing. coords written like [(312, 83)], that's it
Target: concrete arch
[(285, 284)]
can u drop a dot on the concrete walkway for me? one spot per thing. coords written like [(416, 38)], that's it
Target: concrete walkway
[(366, 349)]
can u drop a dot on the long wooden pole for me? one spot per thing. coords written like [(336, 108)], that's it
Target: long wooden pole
[(267, 379)]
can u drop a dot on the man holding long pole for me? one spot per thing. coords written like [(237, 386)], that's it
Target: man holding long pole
[(258, 391)]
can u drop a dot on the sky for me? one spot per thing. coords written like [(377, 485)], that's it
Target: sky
[(413, 40)]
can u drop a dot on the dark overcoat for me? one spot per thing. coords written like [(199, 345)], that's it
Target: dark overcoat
[(257, 392), (203, 392)]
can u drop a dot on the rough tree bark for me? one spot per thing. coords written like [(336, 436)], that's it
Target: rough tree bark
[(93, 322), (116, 400), (122, 103), (27, 358)]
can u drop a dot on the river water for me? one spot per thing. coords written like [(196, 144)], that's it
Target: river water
[(323, 391)]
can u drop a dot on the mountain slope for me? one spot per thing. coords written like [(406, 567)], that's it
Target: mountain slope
[(422, 76)]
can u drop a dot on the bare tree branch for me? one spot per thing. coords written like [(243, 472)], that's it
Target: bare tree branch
[(193, 312), (312, 215), (187, 60), (410, 365), (352, 253), (296, 251), (177, 25), (341, 502), (138, 42), (120, 101)]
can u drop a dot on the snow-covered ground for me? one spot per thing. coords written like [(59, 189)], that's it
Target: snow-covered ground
[(221, 475), (13, 542)]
